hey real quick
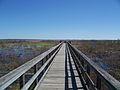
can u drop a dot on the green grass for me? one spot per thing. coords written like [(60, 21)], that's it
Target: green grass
[(5, 43), (41, 44)]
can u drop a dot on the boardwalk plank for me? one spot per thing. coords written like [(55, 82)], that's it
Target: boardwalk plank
[(55, 78)]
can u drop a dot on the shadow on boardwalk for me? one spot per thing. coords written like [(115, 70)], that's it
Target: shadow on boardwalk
[(70, 77)]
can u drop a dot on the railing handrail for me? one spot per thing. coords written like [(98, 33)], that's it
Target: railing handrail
[(13, 75), (28, 84), (105, 76)]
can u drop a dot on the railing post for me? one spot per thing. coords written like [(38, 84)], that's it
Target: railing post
[(46, 58), (22, 80), (98, 83), (88, 69), (82, 61), (42, 62), (35, 70), (88, 72)]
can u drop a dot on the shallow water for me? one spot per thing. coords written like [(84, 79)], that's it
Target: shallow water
[(100, 62)]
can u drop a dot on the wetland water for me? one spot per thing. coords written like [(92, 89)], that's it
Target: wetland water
[(15, 55)]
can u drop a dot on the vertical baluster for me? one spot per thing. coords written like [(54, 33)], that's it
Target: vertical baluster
[(35, 70), (22, 80), (83, 70), (98, 83), (88, 72), (47, 57), (42, 62)]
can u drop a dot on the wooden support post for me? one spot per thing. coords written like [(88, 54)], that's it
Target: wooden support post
[(42, 62), (22, 80), (88, 69), (83, 69), (79, 57), (88, 72), (82, 62), (35, 70), (98, 83), (48, 56)]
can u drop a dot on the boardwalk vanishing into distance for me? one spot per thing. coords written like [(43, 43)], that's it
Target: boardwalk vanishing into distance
[(62, 70), (55, 77), (63, 67)]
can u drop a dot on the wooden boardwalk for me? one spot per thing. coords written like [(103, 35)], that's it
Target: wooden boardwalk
[(62, 67), (59, 74)]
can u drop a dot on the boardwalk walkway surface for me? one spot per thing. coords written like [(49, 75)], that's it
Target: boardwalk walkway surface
[(57, 76)]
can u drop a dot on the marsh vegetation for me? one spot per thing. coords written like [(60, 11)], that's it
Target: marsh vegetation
[(14, 53), (106, 53)]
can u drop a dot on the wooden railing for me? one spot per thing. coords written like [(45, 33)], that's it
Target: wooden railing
[(92, 76), (39, 65)]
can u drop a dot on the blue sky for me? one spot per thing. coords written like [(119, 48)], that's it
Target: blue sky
[(59, 19)]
